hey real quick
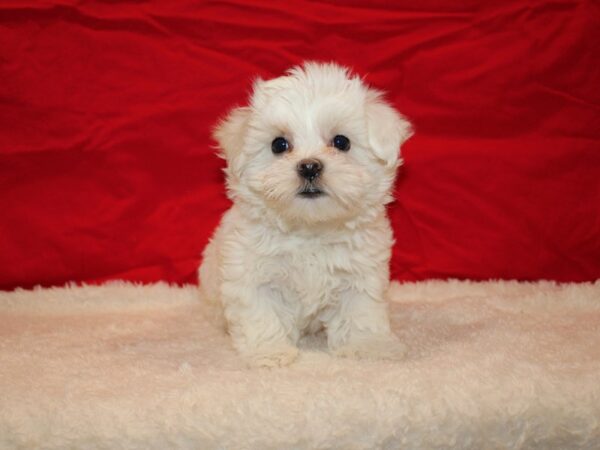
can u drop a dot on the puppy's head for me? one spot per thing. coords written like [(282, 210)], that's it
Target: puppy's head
[(315, 145)]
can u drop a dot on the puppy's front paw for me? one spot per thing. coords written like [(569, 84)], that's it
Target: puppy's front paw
[(275, 357), (376, 347)]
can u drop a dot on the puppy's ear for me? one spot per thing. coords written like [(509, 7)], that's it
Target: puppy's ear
[(229, 133), (387, 129)]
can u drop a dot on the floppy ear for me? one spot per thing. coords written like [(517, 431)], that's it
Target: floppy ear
[(229, 133), (387, 129)]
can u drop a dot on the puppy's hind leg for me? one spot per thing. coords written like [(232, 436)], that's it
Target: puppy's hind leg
[(361, 329), (261, 325)]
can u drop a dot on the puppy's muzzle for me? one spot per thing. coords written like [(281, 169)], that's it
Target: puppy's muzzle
[(310, 169)]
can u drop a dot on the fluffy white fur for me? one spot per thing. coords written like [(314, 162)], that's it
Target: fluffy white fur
[(499, 365), (281, 265)]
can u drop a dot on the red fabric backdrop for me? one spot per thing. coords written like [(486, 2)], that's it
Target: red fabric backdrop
[(107, 170)]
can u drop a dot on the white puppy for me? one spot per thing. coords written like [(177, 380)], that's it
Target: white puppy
[(306, 245)]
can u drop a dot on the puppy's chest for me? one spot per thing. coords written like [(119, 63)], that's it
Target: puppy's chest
[(313, 272)]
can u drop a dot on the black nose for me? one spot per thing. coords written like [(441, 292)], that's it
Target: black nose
[(310, 168)]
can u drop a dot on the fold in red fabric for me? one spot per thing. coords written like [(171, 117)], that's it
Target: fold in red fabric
[(107, 169)]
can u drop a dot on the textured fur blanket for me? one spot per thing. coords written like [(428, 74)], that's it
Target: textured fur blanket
[(491, 365)]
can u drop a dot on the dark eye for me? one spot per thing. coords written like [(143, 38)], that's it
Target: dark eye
[(341, 142), (280, 145)]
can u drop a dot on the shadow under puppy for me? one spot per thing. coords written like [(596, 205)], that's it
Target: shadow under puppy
[(306, 245)]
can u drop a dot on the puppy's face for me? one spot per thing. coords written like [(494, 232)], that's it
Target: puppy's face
[(316, 145)]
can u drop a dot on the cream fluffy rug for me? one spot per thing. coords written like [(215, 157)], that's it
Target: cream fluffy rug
[(491, 365)]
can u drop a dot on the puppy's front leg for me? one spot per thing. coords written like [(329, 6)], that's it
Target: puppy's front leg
[(261, 326), (361, 329)]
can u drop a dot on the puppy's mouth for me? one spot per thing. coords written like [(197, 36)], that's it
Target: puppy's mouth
[(310, 191)]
